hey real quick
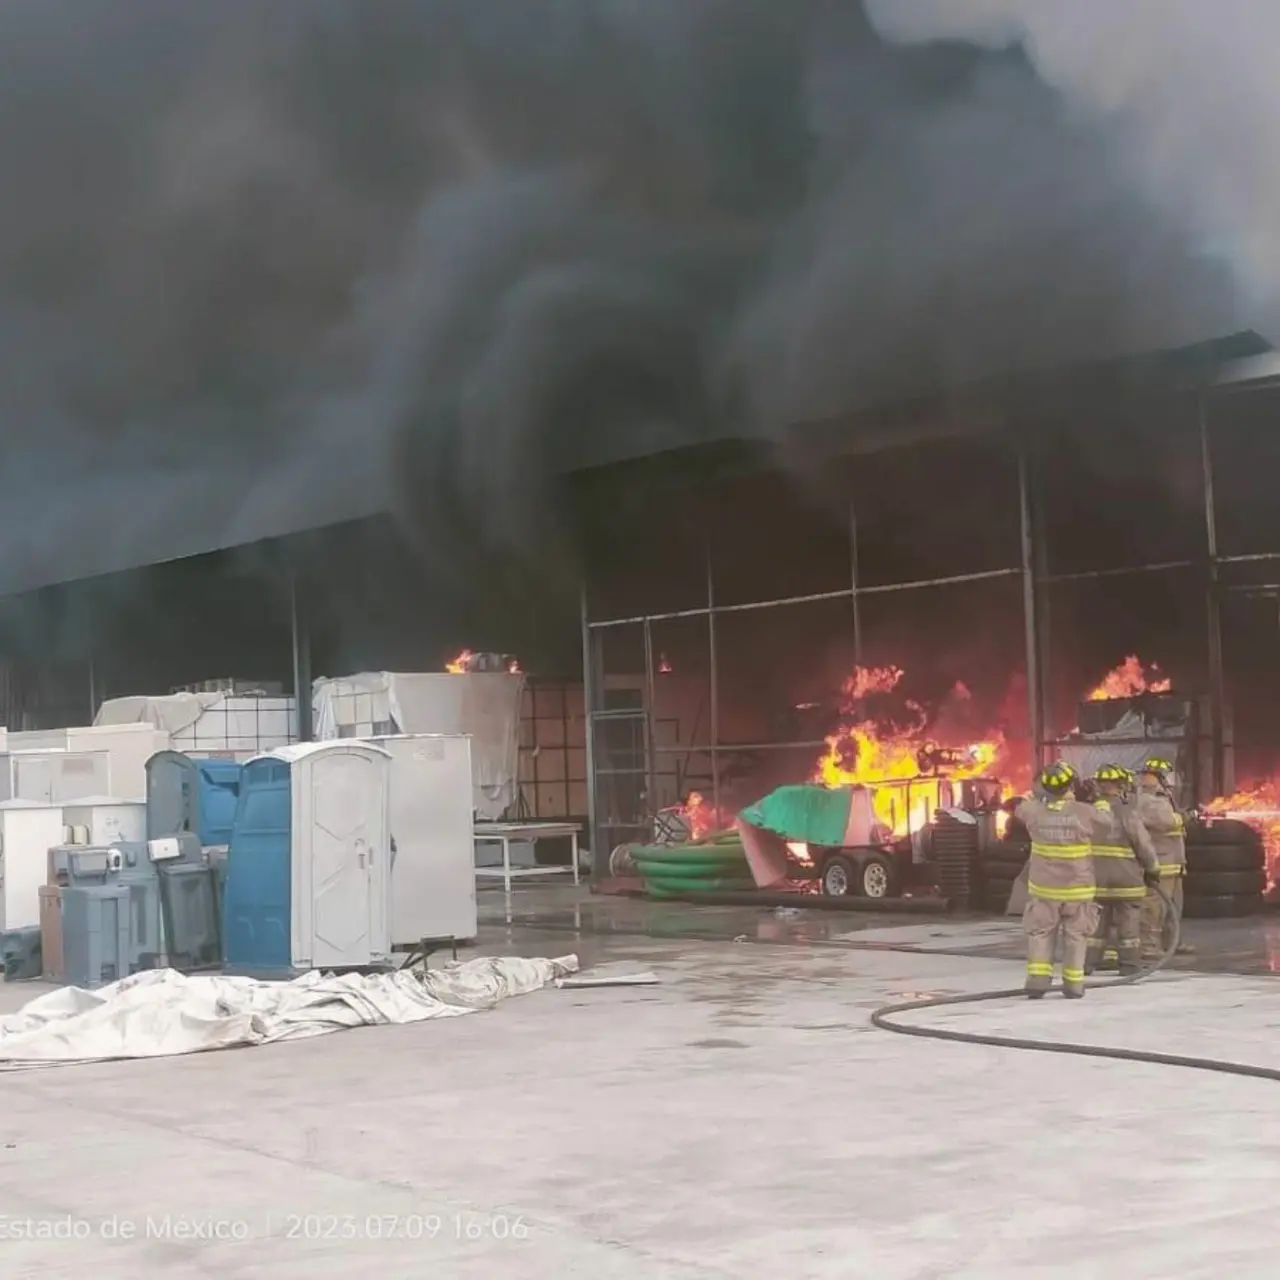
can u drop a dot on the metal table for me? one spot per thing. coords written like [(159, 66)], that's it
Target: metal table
[(504, 833)]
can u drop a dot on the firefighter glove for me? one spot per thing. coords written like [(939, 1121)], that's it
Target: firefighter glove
[(1151, 876)]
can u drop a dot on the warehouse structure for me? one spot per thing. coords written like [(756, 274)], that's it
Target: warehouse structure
[(1044, 525), (1042, 529)]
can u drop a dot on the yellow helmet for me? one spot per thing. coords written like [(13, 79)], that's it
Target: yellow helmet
[(1057, 778), (1161, 768), (1112, 773)]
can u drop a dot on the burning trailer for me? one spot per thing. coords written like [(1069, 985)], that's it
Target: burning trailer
[(835, 838), (887, 812)]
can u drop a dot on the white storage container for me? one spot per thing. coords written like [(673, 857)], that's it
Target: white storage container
[(27, 832), (433, 882)]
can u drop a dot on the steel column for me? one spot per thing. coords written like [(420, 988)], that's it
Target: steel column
[(853, 584), (301, 640), (598, 859), (650, 698), (1035, 708), (714, 699), (1213, 604)]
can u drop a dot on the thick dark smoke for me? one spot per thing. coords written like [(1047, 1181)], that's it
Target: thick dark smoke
[(271, 262)]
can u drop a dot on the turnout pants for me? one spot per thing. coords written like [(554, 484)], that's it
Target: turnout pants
[(1042, 921), (1157, 925), (1124, 916)]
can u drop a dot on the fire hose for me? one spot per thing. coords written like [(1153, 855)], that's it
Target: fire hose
[(882, 1018)]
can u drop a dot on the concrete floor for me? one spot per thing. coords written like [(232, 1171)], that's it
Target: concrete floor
[(740, 1118)]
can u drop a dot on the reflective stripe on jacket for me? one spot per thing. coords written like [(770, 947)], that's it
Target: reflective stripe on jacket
[(1168, 831), (1061, 866), (1123, 848)]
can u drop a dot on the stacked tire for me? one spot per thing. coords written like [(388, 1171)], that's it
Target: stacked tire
[(1226, 870), (1001, 865)]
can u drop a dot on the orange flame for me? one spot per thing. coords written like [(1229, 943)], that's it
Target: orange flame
[(1259, 805), (701, 816), (461, 664), (886, 758), (1130, 679)]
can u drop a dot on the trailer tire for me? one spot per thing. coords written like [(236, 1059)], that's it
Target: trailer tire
[(1215, 858), (839, 876), (1221, 906), (1217, 884), (877, 877)]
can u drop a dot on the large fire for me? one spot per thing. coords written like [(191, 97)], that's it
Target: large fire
[(905, 753), (1130, 679), (899, 759), (1259, 806)]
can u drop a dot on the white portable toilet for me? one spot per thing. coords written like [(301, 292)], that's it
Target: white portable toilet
[(28, 830), (308, 874), (102, 820), (433, 878)]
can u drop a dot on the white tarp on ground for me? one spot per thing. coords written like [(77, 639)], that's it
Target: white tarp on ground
[(162, 1013), (484, 705)]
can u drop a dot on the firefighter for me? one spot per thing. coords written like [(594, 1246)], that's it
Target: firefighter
[(1060, 882), (1168, 831), (1124, 864)]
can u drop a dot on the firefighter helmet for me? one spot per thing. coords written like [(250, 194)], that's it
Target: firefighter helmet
[(1158, 767), (1112, 773), (1057, 778)]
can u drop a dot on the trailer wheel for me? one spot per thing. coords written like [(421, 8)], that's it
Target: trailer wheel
[(839, 876), (877, 877)]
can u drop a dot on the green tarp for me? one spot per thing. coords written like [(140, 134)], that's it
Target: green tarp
[(817, 815)]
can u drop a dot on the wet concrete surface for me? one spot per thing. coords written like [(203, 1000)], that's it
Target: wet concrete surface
[(741, 1116), (1245, 946)]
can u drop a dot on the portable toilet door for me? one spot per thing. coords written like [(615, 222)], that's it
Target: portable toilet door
[(257, 886), (217, 794), (188, 794), (341, 896), (171, 794)]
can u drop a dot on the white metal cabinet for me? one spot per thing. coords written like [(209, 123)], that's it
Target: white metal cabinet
[(433, 882), (28, 831)]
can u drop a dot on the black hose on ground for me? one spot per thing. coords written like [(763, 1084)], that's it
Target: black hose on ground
[(881, 1018)]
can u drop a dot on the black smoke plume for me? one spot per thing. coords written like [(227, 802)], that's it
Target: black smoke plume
[(274, 262)]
